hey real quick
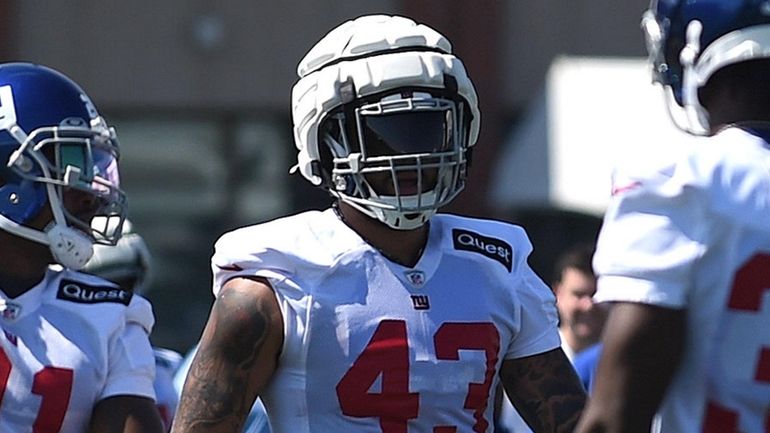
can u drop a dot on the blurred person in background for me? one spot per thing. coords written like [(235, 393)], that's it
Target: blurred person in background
[(684, 252), (74, 351), (574, 284), (585, 364), (129, 265), (379, 314)]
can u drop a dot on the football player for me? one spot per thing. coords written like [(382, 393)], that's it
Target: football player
[(74, 350), (379, 314), (684, 253), (129, 265)]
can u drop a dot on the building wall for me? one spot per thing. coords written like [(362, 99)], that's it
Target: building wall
[(180, 52), (537, 31), (244, 53)]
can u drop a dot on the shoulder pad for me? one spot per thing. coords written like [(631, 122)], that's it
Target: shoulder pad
[(140, 312)]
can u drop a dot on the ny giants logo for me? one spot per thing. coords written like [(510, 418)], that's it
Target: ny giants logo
[(496, 249), (420, 302)]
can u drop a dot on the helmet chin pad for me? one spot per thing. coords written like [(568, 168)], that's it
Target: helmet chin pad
[(70, 247)]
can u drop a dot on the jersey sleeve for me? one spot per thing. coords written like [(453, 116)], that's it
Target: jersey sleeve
[(131, 359), (232, 259), (655, 229), (538, 317)]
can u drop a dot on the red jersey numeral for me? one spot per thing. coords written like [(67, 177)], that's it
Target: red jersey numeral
[(387, 356), (53, 384), (450, 338), (750, 283)]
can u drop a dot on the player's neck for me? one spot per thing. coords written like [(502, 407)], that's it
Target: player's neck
[(22, 264), (400, 246)]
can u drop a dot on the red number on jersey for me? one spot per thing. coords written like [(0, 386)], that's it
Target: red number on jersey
[(387, 356), (450, 338), (53, 384), (751, 282)]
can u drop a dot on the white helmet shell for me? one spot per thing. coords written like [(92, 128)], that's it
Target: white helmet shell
[(368, 56), (383, 33)]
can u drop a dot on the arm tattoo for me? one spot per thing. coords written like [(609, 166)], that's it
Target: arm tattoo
[(219, 383), (545, 391)]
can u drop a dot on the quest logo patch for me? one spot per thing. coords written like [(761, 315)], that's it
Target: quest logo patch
[(495, 249), (85, 294)]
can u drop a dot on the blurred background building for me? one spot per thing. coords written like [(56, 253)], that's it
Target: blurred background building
[(199, 92)]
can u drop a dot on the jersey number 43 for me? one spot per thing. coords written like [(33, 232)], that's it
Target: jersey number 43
[(387, 356)]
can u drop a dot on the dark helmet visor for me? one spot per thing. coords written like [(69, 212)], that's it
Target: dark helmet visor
[(406, 133)]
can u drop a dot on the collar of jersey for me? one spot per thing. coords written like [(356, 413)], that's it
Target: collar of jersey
[(346, 239), (430, 258), (30, 300)]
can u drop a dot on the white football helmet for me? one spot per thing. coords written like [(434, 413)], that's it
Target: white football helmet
[(382, 97)]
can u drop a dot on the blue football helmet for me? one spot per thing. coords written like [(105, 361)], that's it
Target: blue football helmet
[(53, 140), (689, 40)]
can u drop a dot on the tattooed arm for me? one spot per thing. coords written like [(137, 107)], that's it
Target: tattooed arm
[(237, 355), (545, 390)]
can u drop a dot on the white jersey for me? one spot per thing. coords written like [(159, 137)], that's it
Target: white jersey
[(694, 234), (69, 342), (372, 346)]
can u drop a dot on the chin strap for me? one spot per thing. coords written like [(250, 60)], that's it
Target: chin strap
[(70, 247), (22, 231)]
